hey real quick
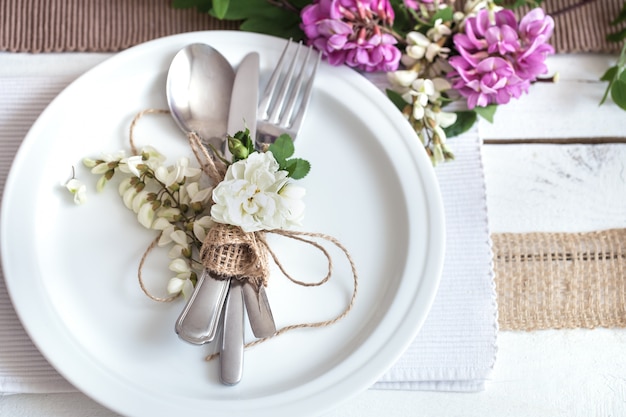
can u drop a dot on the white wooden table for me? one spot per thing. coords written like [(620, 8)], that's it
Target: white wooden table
[(559, 182)]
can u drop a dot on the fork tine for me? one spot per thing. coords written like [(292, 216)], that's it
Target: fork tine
[(284, 88), (264, 105), (295, 90), (304, 103)]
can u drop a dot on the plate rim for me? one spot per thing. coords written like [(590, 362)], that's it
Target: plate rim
[(434, 206)]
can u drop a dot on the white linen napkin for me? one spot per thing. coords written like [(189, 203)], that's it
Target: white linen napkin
[(455, 350)]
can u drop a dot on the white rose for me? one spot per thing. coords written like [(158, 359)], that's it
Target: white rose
[(255, 196)]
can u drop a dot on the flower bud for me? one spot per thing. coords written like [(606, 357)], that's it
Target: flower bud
[(237, 148)]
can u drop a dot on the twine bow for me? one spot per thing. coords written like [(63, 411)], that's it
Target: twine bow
[(229, 252)]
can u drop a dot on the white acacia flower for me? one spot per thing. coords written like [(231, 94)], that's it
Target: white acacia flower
[(177, 173), (434, 50), (140, 199), (78, 189), (153, 157), (438, 31), (161, 224), (416, 45), (173, 235), (181, 282), (180, 267), (250, 196), (124, 186), (180, 285), (402, 79), (128, 197), (100, 168), (129, 165), (201, 226), (419, 94), (169, 213), (197, 195), (102, 181), (145, 215)]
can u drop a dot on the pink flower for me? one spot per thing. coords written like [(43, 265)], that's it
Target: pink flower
[(351, 32), (497, 59), (415, 4)]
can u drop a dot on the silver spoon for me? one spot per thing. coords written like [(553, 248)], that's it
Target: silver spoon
[(199, 86)]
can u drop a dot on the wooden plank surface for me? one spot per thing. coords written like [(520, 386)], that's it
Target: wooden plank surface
[(566, 109)]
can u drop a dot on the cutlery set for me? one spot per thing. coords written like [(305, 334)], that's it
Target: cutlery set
[(201, 84)]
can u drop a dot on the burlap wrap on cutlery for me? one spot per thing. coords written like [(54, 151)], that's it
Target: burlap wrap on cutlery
[(229, 252), (113, 25), (560, 280)]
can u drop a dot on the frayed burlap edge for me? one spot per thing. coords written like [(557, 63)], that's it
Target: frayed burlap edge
[(560, 280)]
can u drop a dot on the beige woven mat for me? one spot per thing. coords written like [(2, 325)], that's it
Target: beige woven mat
[(561, 280), (113, 25)]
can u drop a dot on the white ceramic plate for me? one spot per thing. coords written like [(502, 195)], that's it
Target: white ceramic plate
[(71, 270)]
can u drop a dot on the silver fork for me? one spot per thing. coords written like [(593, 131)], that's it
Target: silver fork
[(285, 100)]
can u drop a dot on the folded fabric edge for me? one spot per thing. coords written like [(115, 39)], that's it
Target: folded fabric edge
[(468, 386), (35, 385)]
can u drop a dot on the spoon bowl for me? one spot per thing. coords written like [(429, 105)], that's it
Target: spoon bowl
[(199, 86)]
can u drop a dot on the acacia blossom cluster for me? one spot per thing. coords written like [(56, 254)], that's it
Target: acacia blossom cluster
[(166, 198), (499, 59), (353, 32)]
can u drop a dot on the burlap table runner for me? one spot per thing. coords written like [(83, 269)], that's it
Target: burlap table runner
[(113, 25), (543, 280), (561, 280)]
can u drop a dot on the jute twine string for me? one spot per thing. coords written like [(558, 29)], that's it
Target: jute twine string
[(229, 252)]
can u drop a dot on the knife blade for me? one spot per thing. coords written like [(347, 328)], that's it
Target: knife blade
[(243, 108), (245, 96)]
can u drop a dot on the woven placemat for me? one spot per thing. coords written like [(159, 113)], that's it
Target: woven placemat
[(94, 25), (113, 25), (582, 25), (560, 280)]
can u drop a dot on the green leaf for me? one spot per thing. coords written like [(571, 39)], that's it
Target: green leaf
[(282, 148), (616, 36), (618, 92), (487, 112), (298, 168), (464, 121), (444, 14), (220, 7), (396, 99), (609, 74)]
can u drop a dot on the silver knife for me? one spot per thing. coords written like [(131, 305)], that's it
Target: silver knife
[(243, 109), (259, 312), (243, 114)]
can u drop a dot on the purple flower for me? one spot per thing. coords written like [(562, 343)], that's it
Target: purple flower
[(497, 59), (352, 32), (415, 4)]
